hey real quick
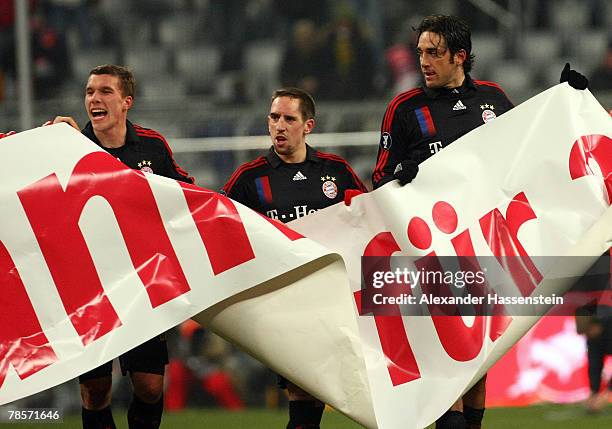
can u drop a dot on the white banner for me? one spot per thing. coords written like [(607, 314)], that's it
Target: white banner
[(96, 258), (537, 181)]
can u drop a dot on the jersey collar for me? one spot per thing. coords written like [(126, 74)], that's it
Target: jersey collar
[(130, 137), (274, 160), (467, 86)]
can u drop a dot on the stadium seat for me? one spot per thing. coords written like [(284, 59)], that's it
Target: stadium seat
[(515, 77), (114, 7), (570, 16), (147, 62), (136, 36), (83, 61), (590, 47), (180, 29), (537, 48), (199, 66), (262, 63), (163, 86), (488, 48)]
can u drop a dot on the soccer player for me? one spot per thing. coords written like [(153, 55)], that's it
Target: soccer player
[(595, 323), (420, 122), (291, 181), (109, 95)]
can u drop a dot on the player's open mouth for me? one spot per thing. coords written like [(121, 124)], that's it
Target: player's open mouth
[(281, 139), (98, 113)]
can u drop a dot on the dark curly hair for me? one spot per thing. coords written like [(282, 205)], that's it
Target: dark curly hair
[(455, 31)]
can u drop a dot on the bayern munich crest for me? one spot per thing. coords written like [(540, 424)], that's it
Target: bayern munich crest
[(330, 189), (145, 166), (488, 115)]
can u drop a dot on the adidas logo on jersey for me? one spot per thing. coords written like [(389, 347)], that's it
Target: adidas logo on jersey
[(299, 176), (459, 106)]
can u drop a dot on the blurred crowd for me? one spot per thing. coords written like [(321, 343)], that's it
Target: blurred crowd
[(341, 50)]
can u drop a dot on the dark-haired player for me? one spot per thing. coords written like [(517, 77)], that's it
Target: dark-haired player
[(419, 123), (291, 181)]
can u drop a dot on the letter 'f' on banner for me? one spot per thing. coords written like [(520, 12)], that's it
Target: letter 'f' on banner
[(401, 362)]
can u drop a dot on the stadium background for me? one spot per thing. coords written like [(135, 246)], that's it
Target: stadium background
[(205, 70)]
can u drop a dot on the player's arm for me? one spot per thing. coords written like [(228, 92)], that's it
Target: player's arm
[(390, 151), (174, 171), (507, 104), (236, 189), (354, 185), (171, 168), (395, 154), (354, 180), (239, 193)]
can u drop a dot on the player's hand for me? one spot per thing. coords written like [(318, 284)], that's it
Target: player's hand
[(67, 119), (575, 79), (406, 171)]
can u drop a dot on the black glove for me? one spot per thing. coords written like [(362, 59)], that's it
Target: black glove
[(406, 171), (575, 79)]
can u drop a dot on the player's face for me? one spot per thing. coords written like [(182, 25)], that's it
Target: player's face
[(288, 129), (104, 102), (440, 69)]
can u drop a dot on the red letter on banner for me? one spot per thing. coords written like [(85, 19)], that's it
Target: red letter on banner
[(461, 342), (54, 215), (220, 228), (499, 321), (592, 155), (502, 237), (401, 363), (23, 343)]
